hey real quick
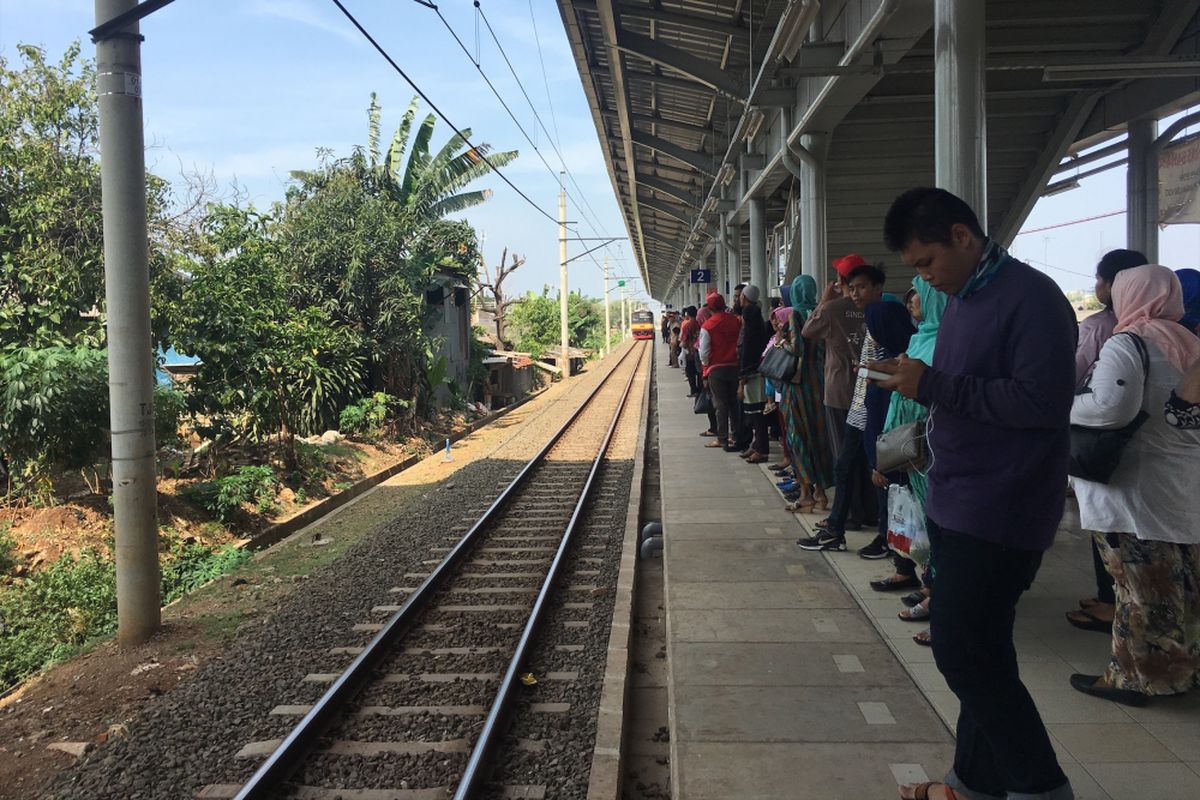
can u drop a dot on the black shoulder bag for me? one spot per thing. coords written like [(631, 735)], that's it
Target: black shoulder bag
[(1096, 452)]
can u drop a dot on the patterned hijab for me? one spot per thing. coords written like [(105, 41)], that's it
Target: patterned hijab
[(1148, 301), (933, 304)]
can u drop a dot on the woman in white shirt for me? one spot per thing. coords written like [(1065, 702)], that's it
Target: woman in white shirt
[(1146, 517)]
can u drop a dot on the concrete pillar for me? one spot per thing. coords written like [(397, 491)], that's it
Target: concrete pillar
[(1141, 189), (960, 112), (815, 257), (758, 244), (721, 257)]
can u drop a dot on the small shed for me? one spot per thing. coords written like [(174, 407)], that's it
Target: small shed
[(577, 355), (510, 377)]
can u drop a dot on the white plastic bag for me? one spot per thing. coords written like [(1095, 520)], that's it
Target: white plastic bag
[(906, 525)]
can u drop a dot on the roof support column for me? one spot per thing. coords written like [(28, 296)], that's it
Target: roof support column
[(721, 273), (815, 255), (758, 244), (1141, 189), (960, 113)]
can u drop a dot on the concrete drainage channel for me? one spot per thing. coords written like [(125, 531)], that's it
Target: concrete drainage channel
[(647, 768)]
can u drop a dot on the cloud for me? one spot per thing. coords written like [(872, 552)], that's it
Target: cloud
[(304, 14)]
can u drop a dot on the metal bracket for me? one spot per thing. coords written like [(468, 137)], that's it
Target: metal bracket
[(112, 28)]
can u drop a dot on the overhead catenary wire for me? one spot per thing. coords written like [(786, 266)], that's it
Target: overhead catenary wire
[(421, 93), (545, 80)]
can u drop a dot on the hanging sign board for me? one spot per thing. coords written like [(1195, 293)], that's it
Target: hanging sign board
[(1179, 183), (702, 276)]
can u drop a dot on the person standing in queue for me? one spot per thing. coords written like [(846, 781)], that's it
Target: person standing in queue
[(718, 354), (999, 390), (689, 339)]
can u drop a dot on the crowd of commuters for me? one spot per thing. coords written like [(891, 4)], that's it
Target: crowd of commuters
[(983, 366)]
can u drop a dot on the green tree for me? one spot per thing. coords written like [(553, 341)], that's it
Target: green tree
[(535, 322), (268, 363)]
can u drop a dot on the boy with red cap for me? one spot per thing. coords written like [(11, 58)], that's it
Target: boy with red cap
[(842, 326)]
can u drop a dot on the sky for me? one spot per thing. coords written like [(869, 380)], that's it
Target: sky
[(250, 89)]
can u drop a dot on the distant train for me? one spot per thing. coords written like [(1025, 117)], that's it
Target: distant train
[(642, 323)]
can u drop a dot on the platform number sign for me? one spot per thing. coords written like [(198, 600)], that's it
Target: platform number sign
[(702, 276)]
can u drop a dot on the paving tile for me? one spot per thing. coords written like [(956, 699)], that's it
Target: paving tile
[(1175, 781), (775, 664), (728, 569), (722, 771), (1168, 709), (1110, 742), (772, 625), (1181, 738), (789, 593), (1084, 785), (802, 714)]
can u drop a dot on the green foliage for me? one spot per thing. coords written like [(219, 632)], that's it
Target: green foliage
[(224, 497), (44, 618), (53, 414), (535, 322), (265, 365), (8, 549), (190, 565), (369, 416), (170, 408)]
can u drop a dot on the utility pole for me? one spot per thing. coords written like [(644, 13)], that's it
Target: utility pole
[(564, 333), (607, 324), (127, 299)]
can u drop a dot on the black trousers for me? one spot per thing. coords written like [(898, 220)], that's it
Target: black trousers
[(723, 383), (691, 372), (851, 464), (1002, 745)]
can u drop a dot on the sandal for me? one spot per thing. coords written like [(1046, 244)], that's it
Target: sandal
[(917, 613), (756, 458), (914, 598), (708, 433), (920, 791), (715, 443), (800, 507), (924, 639), (890, 584), (778, 467), (1088, 622)]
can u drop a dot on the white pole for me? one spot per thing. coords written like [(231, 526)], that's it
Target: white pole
[(607, 322), (564, 332), (960, 106), (127, 297)]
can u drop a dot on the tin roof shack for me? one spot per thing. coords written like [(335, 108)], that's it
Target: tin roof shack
[(578, 356), (448, 321), (511, 376)]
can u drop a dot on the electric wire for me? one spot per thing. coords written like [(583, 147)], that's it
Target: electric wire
[(400, 71), (545, 80)]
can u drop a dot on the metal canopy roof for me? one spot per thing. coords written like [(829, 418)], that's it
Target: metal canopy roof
[(667, 82)]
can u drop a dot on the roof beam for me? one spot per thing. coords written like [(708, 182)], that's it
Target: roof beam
[(670, 189), (691, 158), (694, 21), (683, 62), (675, 212)]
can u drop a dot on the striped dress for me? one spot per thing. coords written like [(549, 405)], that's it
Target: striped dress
[(804, 413)]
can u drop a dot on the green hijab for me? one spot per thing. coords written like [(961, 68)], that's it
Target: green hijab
[(804, 296), (933, 304)]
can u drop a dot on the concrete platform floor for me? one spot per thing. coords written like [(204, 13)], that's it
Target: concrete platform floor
[(788, 677)]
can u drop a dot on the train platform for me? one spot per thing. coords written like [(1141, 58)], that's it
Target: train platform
[(788, 677)]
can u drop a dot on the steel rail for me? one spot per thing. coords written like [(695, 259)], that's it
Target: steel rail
[(292, 751), (494, 727)]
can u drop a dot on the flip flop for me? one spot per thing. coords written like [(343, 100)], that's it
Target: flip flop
[(715, 443), (1086, 622), (890, 584), (917, 613), (923, 638)]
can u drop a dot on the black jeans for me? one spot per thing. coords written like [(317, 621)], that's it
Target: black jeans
[(693, 374), (723, 383), (1002, 745), (847, 471)]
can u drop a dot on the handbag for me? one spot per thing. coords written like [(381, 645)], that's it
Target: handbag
[(1096, 452), (703, 404), (778, 364), (901, 448)]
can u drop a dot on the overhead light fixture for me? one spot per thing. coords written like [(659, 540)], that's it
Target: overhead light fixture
[(755, 124), (1121, 70), (710, 205), (1060, 186), (793, 26), (725, 174)]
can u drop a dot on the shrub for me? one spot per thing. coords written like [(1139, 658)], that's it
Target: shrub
[(190, 565), (170, 407), (368, 417), (224, 496), (44, 618), (8, 548)]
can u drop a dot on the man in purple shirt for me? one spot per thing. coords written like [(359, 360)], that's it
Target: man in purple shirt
[(999, 392)]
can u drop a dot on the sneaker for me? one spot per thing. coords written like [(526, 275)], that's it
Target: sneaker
[(823, 541), (876, 549)]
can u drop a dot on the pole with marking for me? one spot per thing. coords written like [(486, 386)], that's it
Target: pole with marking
[(127, 302), (607, 322), (564, 332)]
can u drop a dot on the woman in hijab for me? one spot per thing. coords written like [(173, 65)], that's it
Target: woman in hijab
[(1146, 516), (751, 386), (780, 317), (803, 410)]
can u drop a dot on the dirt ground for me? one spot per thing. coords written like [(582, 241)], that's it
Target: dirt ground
[(48, 720)]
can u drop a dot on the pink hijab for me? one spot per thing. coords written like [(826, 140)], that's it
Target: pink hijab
[(779, 315), (1148, 301), (702, 315)]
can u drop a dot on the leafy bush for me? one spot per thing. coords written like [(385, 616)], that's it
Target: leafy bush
[(8, 549), (223, 497), (53, 413), (368, 417), (170, 407), (190, 565), (46, 617), (311, 462)]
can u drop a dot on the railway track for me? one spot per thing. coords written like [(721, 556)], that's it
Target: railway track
[(421, 711)]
